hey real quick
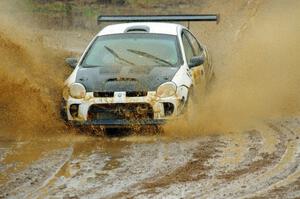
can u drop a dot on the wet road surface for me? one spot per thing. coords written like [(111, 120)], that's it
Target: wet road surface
[(252, 164)]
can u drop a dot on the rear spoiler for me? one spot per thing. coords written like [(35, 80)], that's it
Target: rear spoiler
[(158, 18)]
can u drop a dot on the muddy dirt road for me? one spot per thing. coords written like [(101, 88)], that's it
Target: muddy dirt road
[(259, 163), (244, 144)]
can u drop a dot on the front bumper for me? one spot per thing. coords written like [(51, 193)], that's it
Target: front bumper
[(159, 114), (119, 122)]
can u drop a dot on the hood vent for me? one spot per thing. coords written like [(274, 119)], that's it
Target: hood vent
[(124, 84)]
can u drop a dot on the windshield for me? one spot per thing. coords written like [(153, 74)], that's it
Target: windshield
[(133, 49)]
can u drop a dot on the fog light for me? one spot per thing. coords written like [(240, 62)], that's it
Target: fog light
[(168, 108), (74, 110)]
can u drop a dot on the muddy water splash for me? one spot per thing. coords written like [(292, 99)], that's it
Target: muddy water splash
[(31, 79), (262, 75), (259, 78)]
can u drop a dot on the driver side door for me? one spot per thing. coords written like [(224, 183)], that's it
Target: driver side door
[(192, 48)]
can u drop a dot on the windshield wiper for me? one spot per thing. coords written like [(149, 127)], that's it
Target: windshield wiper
[(144, 54), (117, 56), (91, 66)]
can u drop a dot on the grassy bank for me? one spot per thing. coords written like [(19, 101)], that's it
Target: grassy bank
[(82, 14)]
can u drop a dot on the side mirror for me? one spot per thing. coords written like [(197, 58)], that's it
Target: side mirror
[(72, 62), (196, 61)]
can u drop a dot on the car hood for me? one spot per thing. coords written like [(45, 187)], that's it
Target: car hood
[(104, 79)]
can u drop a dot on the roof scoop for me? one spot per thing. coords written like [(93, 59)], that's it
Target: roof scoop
[(137, 29)]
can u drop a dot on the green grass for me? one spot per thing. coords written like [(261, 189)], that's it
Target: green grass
[(57, 7)]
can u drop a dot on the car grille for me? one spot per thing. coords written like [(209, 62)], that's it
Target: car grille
[(136, 93), (130, 111), (128, 94), (103, 94)]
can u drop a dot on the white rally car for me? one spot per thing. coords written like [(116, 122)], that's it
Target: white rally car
[(137, 73)]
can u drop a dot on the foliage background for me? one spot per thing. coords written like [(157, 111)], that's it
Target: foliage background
[(74, 14)]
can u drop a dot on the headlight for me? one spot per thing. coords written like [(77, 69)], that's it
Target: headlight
[(167, 89), (77, 91)]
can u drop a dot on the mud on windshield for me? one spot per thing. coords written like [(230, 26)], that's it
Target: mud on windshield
[(134, 49)]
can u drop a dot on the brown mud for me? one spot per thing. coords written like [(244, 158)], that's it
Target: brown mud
[(31, 81), (258, 72), (244, 142)]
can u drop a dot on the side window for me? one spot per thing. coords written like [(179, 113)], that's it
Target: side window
[(189, 53), (196, 47)]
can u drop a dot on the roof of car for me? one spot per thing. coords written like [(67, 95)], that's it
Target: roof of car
[(150, 27)]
